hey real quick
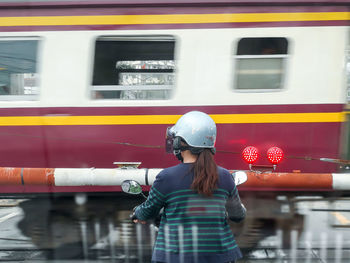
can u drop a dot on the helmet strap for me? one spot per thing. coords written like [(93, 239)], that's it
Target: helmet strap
[(177, 148), (179, 156)]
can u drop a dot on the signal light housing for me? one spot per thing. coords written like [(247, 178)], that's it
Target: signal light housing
[(275, 155), (250, 154)]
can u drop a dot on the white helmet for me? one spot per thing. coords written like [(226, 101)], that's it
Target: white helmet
[(197, 129)]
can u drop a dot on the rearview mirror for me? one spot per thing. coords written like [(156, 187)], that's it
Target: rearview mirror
[(131, 187), (239, 177)]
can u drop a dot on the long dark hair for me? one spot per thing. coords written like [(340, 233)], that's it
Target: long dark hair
[(205, 173)]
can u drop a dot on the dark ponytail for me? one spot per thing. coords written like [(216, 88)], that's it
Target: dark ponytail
[(205, 173)]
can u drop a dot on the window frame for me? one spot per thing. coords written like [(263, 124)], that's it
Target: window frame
[(135, 38), (30, 97), (284, 57)]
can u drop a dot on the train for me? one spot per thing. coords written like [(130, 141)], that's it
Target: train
[(88, 84), (84, 84)]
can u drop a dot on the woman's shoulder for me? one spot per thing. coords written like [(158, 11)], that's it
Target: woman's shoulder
[(225, 177), (223, 171), (175, 170), (172, 178)]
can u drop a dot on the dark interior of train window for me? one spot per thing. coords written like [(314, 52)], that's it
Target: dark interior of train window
[(260, 64), (129, 68), (18, 69)]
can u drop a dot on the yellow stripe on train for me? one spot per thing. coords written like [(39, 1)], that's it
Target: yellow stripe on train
[(172, 19), (171, 119)]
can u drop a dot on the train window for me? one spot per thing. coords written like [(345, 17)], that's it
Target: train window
[(18, 69), (134, 68), (260, 64)]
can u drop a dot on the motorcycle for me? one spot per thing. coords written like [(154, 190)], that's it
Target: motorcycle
[(134, 188)]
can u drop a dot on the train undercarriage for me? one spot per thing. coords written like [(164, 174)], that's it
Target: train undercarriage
[(66, 227)]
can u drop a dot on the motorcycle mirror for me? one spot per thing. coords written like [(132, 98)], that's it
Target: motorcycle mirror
[(239, 177), (131, 187)]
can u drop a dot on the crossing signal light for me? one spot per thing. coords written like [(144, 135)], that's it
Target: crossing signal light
[(275, 155), (250, 154)]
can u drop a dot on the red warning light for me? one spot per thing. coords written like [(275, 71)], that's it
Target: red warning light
[(275, 155), (250, 154)]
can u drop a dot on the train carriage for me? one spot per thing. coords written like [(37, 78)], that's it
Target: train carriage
[(89, 83), (83, 85)]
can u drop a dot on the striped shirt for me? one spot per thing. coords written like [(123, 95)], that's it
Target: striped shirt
[(193, 227)]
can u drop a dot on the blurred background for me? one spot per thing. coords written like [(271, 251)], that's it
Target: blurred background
[(88, 89)]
